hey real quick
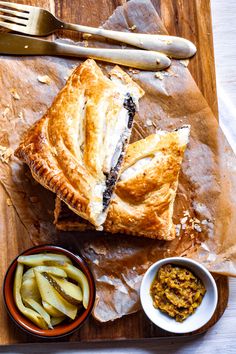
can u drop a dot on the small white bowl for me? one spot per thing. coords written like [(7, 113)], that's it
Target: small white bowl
[(202, 314)]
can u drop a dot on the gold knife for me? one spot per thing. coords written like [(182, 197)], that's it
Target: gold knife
[(12, 44)]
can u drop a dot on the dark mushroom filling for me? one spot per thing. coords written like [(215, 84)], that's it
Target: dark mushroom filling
[(112, 176)]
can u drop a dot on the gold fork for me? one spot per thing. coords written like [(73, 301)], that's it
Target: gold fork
[(39, 22)]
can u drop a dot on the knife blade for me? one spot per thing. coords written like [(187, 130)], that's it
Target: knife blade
[(13, 44)]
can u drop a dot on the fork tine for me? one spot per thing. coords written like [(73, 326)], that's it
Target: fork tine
[(15, 13), (13, 5), (13, 27), (14, 19)]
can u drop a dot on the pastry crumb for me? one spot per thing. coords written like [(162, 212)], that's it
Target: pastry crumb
[(148, 123), (196, 221), (5, 112), (159, 75), (20, 115), (197, 228), (184, 220), (5, 154), (85, 43), (184, 62), (154, 124), (177, 229), (86, 35), (186, 213), (44, 79), (15, 94), (132, 28), (26, 46), (9, 202), (189, 224), (134, 71)]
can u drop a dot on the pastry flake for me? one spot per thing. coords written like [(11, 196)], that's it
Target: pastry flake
[(76, 149)]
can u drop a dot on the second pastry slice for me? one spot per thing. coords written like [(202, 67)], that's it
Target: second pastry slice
[(77, 147)]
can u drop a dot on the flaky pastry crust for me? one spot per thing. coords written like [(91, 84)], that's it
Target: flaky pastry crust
[(68, 150), (142, 204)]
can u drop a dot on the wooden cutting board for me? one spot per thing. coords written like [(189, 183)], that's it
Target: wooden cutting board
[(190, 19)]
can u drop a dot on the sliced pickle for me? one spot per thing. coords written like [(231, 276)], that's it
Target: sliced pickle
[(29, 290), (50, 295), (54, 263), (71, 292), (39, 259), (27, 312), (77, 275), (51, 270), (52, 311), (39, 308), (56, 320)]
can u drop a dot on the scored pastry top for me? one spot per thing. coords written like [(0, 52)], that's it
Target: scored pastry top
[(76, 148), (144, 197)]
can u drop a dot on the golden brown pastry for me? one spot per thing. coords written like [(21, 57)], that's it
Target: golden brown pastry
[(143, 200), (76, 148)]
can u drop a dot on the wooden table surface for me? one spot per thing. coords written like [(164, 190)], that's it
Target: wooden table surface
[(222, 337)]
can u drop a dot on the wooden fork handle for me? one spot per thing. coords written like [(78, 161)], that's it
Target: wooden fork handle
[(175, 47), (139, 59)]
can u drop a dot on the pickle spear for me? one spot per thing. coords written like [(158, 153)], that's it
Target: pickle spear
[(71, 292), (50, 295), (37, 307), (77, 275), (39, 259), (29, 289), (29, 313), (56, 320), (52, 311), (51, 270)]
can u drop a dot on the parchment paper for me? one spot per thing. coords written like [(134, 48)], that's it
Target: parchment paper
[(206, 197)]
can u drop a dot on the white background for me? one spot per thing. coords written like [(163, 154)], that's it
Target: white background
[(222, 337)]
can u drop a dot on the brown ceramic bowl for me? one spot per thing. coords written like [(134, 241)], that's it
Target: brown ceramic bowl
[(60, 330)]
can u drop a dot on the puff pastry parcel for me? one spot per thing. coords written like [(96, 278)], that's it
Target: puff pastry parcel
[(143, 200), (76, 148)]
